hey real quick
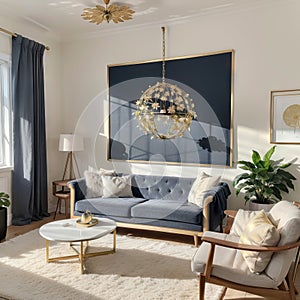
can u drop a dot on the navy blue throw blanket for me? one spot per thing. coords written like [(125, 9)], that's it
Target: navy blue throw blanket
[(220, 194)]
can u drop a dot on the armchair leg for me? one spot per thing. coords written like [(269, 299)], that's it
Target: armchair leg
[(291, 285), (201, 287), (196, 240)]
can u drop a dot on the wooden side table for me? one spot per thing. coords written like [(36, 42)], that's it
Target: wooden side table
[(61, 191)]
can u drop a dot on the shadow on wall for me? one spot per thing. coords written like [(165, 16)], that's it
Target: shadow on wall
[(118, 150), (157, 150)]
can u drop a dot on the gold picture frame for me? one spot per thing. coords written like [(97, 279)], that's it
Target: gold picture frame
[(285, 117)]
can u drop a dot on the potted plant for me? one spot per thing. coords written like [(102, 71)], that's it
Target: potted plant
[(4, 203), (264, 180)]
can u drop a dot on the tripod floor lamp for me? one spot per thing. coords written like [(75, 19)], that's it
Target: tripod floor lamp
[(70, 143)]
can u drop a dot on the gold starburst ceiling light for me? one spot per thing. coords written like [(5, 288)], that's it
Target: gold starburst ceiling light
[(114, 12)]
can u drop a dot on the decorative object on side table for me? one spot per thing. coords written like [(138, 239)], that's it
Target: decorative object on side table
[(4, 203), (285, 117), (264, 180)]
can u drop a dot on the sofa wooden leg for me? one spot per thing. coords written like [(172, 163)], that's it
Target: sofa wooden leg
[(201, 287), (196, 240)]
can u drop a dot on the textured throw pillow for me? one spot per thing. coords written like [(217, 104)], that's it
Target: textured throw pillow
[(102, 171), (117, 186), (241, 220), (94, 184), (200, 186), (259, 232)]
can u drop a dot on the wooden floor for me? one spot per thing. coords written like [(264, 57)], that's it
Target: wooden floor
[(14, 231)]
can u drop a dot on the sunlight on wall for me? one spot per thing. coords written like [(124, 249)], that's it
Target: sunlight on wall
[(249, 139)]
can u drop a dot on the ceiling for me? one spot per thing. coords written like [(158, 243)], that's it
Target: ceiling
[(63, 19)]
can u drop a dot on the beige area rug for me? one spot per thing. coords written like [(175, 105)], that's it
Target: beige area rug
[(140, 269)]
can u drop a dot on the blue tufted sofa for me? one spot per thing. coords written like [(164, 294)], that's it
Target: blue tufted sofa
[(159, 203)]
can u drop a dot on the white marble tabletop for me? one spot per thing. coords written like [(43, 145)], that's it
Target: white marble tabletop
[(68, 231)]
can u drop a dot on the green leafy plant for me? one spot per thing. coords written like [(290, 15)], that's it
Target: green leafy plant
[(4, 200), (265, 178)]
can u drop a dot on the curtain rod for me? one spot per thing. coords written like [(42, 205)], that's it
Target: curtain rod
[(15, 35)]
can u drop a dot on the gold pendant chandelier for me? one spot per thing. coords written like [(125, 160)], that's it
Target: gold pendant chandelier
[(164, 110), (113, 12)]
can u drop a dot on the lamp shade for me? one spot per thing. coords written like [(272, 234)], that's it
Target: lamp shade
[(70, 142)]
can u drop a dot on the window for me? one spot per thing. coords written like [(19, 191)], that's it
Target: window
[(5, 112)]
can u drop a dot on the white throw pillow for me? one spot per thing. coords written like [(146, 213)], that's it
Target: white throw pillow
[(200, 186), (241, 220), (94, 183), (259, 232), (114, 186), (102, 171)]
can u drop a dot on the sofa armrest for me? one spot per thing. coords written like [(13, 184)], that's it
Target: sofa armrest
[(215, 202), (77, 192)]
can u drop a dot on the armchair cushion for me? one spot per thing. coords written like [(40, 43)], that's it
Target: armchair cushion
[(259, 232)]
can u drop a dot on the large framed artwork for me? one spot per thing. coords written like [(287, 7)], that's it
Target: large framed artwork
[(207, 78), (285, 117)]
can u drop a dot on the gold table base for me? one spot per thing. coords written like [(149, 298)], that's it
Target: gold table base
[(82, 254)]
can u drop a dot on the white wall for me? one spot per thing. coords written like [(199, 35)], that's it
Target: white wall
[(53, 105), (266, 58)]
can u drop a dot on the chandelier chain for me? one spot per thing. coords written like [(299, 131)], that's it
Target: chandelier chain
[(163, 54)]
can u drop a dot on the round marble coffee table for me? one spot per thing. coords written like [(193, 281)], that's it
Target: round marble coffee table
[(69, 231)]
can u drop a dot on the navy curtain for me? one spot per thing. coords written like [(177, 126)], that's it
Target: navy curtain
[(29, 182)]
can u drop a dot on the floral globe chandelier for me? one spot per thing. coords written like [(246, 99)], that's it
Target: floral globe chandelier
[(164, 110)]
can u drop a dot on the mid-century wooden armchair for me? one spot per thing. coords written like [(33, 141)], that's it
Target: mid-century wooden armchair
[(222, 259)]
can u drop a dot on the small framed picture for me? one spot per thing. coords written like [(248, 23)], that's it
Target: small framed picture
[(285, 117)]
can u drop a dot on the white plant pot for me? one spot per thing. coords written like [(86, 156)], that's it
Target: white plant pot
[(259, 206)]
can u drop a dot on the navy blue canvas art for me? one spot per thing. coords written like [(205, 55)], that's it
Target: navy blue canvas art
[(208, 79)]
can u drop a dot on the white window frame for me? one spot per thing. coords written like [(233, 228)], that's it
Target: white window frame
[(5, 112)]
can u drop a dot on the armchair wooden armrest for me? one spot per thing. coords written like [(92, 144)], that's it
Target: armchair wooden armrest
[(229, 244)]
